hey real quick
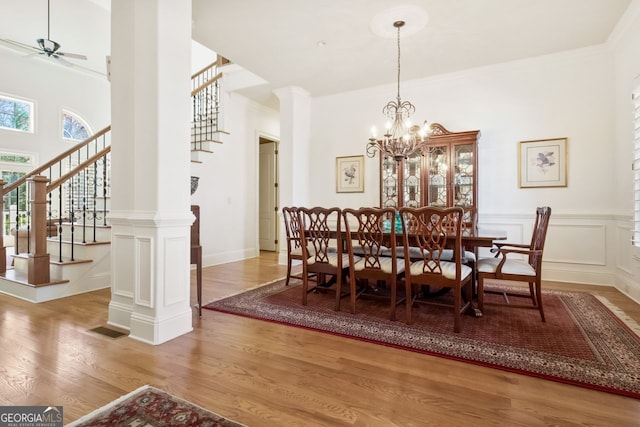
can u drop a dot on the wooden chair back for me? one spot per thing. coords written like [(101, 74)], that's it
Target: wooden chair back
[(292, 228), (196, 254), (319, 228), (429, 229), (539, 236), (367, 237)]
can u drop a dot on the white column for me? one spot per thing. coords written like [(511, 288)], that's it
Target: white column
[(293, 152), (150, 214)]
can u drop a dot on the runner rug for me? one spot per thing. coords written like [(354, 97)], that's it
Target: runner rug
[(150, 407), (582, 342)]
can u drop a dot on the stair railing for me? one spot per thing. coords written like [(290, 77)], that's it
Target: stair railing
[(67, 175), (82, 199), (205, 97)]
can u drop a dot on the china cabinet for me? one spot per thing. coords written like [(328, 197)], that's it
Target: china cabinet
[(444, 175)]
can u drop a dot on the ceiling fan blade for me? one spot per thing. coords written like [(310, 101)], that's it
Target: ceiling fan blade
[(14, 44), (71, 55), (62, 60)]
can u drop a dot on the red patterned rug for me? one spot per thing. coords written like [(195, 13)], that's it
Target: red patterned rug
[(150, 407), (582, 342)]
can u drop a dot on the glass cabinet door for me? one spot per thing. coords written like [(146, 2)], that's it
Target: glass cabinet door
[(444, 175), (389, 181), (463, 175), (412, 176), (438, 177)]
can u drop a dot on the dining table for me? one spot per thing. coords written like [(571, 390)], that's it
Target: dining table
[(472, 238)]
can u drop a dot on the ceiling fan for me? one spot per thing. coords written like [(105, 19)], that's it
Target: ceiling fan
[(47, 46)]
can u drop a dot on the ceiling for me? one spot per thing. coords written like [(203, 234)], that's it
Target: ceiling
[(279, 40)]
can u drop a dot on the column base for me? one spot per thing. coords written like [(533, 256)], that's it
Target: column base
[(38, 270)]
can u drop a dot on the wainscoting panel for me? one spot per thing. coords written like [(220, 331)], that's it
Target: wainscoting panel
[(175, 248), (576, 244), (144, 274), (580, 248), (122, 251), (517, 232), (623, 247)]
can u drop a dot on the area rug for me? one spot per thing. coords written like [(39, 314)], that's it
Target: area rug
[(150, 407), (582, 342)]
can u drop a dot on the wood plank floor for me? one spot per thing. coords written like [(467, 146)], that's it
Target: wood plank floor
[(265, 374)]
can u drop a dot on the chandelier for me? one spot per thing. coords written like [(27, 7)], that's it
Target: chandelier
[(401, 139)]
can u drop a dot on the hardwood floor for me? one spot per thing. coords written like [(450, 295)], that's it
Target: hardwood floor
[(265, 374)]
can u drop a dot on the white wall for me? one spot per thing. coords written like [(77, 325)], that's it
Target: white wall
[(227, 191), (52, 87), (567, 95), (626, 44)]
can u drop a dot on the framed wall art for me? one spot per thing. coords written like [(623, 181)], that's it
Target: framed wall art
[(543, 163), (350, 174)]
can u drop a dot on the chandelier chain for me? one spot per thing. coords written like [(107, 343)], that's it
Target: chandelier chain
[(398, 41)]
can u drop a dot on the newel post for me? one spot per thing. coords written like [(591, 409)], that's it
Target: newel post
[(38, 266), (3, 251)]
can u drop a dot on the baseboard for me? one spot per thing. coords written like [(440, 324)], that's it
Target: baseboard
[(226, 257)]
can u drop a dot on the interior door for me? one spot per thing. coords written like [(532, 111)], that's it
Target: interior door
[(268, 196)]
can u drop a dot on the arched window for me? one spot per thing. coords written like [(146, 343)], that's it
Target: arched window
[(73, 127)]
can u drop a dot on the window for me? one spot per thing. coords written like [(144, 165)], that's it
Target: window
[(73, 127), (16, 114), (635, 96), (13, 166)]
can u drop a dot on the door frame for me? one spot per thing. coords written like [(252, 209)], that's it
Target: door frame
[(270, 138)]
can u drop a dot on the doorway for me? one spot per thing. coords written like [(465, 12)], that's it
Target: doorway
[(268, 195)]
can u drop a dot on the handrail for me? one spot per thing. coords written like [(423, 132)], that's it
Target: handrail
[(205, 84), (62, 179), (205, 69), (53, 161)]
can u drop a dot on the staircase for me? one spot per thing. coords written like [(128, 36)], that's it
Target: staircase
[(206, 111), (61, 238)]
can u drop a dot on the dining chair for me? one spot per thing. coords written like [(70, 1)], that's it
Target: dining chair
[(319, 228), (504, 266), (367, 240), (294, 244), (430, 229), (196, 254), (469, 226)]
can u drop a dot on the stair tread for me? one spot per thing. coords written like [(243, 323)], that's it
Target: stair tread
[(68, 242), (22, 278), (55, 259)]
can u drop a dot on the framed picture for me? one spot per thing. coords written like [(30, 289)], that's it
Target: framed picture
[(350, 174), (543, 163)]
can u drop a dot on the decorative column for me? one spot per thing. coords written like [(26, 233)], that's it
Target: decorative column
[(150, 212), (38, 261), (293, 153)]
